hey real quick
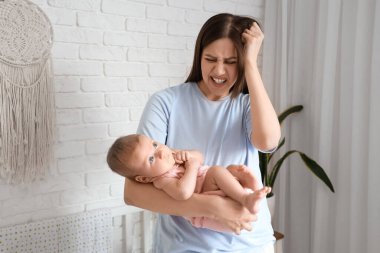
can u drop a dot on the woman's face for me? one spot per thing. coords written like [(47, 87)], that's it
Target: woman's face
[(219, 69)]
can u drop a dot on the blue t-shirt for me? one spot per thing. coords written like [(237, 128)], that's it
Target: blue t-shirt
[(183, 118)]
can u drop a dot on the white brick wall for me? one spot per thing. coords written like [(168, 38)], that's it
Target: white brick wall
[(109, 56)]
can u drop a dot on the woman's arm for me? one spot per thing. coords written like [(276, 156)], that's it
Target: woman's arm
[(266, 128), (225, 210)]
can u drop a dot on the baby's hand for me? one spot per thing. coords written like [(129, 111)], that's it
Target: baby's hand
[(181, 156), (192, 163)]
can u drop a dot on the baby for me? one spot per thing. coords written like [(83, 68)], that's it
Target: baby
[(180, 173)]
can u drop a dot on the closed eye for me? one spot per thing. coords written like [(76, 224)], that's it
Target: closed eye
[(210, 59), (151, 159)]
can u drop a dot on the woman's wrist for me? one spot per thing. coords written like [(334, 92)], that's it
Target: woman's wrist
[(203, 205), (250, 63)]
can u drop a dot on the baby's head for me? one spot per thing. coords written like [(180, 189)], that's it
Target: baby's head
[(121, 155), (139, 158)]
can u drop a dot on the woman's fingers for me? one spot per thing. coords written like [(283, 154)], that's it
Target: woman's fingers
[(256, 26), (232, 214), (247, 226), (242, 226), (237, 230), (244, 223), (253, 32), (252, 39)]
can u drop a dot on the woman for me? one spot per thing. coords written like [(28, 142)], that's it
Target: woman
[(210, 113)]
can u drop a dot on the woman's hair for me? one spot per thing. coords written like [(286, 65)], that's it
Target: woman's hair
[(119, 154), (220, 26)]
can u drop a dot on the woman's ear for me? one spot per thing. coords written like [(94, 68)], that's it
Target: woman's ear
[(143, 179)]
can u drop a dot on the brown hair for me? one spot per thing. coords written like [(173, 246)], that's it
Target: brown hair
[(224, 25), (119, 154)]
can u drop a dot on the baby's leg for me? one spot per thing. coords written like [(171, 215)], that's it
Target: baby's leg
[(220, 178), (249, 180), (245, 176), (252, 201), (217, 176)]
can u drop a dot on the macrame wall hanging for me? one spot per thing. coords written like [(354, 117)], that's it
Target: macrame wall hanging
[(26, 92)]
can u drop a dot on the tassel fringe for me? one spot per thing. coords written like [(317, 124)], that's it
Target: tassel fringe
[(26, 121)]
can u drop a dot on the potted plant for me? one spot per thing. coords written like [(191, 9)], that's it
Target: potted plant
[(269, 174)]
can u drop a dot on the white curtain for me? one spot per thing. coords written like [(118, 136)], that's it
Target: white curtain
[(325, 55)]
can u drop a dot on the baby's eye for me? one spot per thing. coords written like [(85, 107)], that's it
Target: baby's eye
[(151, 159), (155, 145)]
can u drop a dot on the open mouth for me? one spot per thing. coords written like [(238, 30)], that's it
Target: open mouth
[(219, 80)]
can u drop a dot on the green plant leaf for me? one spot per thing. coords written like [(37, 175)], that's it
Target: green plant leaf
[(269, 176), (314, 167), (276, 168), (289, 111), (263, 164), (317, 170)]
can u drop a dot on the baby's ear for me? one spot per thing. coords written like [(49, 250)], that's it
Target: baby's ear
[(143, 179)]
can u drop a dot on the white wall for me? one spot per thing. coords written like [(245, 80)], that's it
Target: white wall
[(109, 56)]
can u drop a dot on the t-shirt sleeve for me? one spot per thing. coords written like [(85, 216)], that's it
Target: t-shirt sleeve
[(155, 117)]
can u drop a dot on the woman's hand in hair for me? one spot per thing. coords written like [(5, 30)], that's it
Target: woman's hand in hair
[(252, 39)]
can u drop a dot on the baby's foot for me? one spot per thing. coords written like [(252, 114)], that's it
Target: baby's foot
[(245, 176), (252, 200)]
